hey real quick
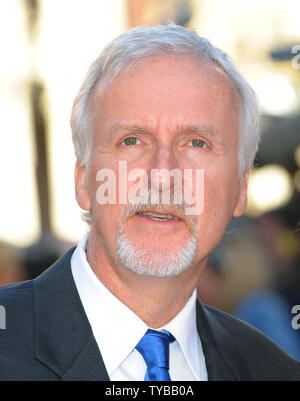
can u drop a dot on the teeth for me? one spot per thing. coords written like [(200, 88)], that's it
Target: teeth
[(158, 217)]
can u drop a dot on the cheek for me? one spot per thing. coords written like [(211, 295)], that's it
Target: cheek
[(220, 195), (106, 220), (213, 221), (104, 205)]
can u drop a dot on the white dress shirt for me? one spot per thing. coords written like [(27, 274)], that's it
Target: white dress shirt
[(117, 329)]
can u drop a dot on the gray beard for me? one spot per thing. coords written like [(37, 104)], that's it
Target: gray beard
[(161, 264)]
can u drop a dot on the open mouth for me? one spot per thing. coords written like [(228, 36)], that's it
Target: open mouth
[(163, 217)]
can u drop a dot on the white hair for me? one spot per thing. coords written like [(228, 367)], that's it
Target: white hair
[(142, 42)]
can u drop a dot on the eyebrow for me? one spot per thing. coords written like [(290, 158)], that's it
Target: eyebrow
[(127, 127), (206, 129), (192, 128)]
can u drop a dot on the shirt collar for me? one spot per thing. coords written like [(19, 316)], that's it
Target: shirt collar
[(116, 328), (184, 328)]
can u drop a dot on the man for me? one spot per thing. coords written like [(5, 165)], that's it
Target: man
[(159, 103)]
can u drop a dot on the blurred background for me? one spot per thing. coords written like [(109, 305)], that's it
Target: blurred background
[(46, 48)]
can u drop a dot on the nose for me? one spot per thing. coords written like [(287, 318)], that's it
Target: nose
[(164, 162)]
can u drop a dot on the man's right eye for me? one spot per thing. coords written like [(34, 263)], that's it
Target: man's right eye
[(131, 141)]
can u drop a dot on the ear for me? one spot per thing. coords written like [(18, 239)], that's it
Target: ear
[(242, 200), (81, 192)]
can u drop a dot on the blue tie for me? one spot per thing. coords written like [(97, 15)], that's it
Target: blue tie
[(154, 348)]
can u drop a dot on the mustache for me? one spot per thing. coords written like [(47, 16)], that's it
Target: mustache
[(142, 202)]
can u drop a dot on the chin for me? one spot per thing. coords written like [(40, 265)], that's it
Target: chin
[(155, 262)]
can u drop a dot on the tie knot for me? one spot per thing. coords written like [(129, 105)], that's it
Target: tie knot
[(154, 347)]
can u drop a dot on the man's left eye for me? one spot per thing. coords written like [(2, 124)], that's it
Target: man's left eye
[(131, 141), (197, 143)]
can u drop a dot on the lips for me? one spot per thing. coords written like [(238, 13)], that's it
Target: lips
[(163, 217)]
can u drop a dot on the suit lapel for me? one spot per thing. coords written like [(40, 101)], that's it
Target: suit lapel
[(88, 365), (63, 336), (223, 362)]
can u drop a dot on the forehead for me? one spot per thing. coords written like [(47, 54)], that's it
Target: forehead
[(167, 88)]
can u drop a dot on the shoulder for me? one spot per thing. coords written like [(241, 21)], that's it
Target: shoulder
[(16, 306), (263, 359), (16, 327), (16, 298), (26, 309)]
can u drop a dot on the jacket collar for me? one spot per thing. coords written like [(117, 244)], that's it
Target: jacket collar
[(223, 360), (65, 343), (63, 336)]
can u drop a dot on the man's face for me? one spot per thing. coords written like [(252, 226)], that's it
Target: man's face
[(168, 112)]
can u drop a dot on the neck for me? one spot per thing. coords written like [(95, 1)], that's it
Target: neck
[(155, 300)]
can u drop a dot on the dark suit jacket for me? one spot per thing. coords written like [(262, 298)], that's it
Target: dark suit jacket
[(48, 337)]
